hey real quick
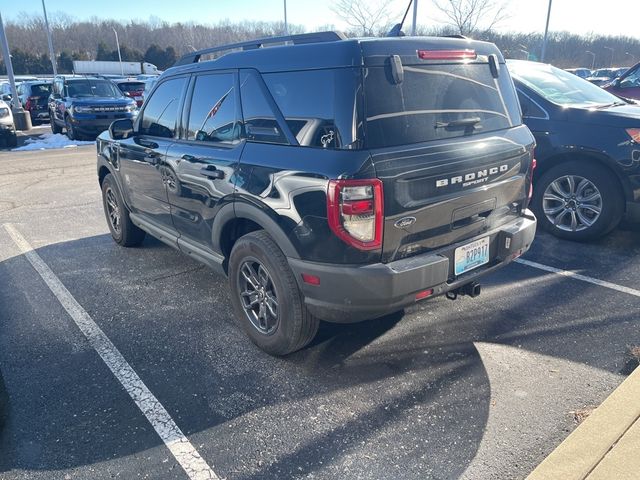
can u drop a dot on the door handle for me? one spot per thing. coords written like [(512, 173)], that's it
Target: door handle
[(212, 172)]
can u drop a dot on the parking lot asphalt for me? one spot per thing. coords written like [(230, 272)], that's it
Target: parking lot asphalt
[(477, 388)]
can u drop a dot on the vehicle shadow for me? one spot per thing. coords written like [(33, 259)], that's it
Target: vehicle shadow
[(373, 396)]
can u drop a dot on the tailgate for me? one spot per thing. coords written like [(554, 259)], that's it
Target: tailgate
[(445, 192)]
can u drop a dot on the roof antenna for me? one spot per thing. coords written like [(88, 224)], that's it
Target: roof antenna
[(396, 31)]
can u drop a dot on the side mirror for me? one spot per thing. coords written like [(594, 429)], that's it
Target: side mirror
[(6, 97), (615, 82), (121, 129)]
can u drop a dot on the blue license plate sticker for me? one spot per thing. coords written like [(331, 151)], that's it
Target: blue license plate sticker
[(471, 255)]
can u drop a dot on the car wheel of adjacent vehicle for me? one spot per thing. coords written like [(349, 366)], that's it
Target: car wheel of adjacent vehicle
[(123, 231), (266, 299), (71, 132), (578, 200), (55, 128)]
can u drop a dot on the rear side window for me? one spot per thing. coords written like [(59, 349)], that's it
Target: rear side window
[(319, 106), (213, 113), (260, 124), (437, 102), (161, 111)]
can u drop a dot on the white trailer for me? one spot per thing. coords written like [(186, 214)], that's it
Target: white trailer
[(97, 67)]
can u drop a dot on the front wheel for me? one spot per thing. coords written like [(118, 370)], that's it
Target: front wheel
[(122, 229), (578, 200), (55, 128), (266, 299), (71, 131)]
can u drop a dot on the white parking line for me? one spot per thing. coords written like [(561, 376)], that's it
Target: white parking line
[(181, 448), (577, 276)]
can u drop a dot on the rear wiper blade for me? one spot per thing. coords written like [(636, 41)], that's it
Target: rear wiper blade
[(463, 122)]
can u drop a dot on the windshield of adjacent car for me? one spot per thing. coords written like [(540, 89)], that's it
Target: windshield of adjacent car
[(558, 86), (605, 72), (92, 88)]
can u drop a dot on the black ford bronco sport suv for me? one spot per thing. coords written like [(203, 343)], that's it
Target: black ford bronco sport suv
[(328, 178)]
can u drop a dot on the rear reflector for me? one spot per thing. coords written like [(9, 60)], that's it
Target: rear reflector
[(310, 279), (447, 54), (424, 294)]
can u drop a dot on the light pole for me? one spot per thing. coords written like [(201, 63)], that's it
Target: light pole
[(546, 34), (611, 61), (52, 54), (21, 118), (633, 57), (415, 18), (286, 25), (119, 56), (593, 59)]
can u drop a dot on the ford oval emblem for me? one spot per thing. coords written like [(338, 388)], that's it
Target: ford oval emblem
[(405, 222)]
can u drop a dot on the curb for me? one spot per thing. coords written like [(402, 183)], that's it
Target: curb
[(605, 445)]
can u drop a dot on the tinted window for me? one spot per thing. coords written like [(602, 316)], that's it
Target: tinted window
[(40, 89), (260, 124), (529, 107), (131, 86), (161, 111), (319, 106), (430, 100), (212, 117)]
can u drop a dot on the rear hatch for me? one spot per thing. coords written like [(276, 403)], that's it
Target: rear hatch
[(446, 139)]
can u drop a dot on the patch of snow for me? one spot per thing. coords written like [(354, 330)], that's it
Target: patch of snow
[(49, 141)]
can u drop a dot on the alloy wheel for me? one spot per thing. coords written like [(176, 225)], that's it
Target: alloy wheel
[(113, 210), (258, 296), (572, 203)]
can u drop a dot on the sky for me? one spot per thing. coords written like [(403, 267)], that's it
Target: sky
[(611, 17)]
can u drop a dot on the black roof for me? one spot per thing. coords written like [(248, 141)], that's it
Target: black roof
[(323, 50)]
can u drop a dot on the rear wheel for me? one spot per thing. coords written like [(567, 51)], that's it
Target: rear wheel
[(122, 229), (578, 200), (266, 299)]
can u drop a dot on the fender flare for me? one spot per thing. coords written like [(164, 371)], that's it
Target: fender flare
[(237, 210)]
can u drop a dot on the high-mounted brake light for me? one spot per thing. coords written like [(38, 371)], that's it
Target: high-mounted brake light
[(447, 54), (355, 212)]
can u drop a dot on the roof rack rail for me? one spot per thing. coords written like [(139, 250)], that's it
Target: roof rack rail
[(317, 37)]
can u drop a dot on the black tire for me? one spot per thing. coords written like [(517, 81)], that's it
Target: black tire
[(588, 225), (123, 231), (55, 128), (294, 326), (70, 131), (12, 141)]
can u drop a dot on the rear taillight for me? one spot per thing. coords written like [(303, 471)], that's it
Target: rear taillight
[(634, 133), (447, 54), (355, 212), (28, 105)]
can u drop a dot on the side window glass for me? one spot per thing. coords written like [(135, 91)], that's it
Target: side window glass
[(260, 124), (212, 117), (161, 111), (529, 108)]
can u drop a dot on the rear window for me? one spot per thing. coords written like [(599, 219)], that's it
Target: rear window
[(437, 102), (131, 86), (41, 89)]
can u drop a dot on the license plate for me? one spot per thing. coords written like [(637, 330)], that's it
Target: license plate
[(471, 256)]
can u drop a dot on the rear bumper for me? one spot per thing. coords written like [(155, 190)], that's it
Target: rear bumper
[(354, 293)]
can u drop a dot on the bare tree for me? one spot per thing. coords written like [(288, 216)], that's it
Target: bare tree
[(470, 16), (367, 17)]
